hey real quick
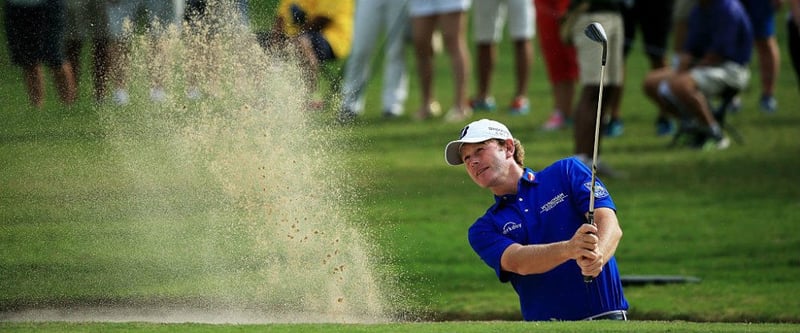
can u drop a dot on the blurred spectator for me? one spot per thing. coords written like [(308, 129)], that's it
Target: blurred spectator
[(450, 16), (762, 19), (793, 29), (607, 13), (87, 23), (373, 19), (560, 59), (122, 16), (317, 30), (35, 32), (650, 18), (488, 19), (719, 43), (680, 23)]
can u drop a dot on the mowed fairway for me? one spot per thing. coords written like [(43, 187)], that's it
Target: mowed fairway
[(71, 208)]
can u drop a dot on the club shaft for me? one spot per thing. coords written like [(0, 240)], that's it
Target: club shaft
[(590, 219)]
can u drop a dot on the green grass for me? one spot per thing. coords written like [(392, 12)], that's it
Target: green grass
[(728, 217)]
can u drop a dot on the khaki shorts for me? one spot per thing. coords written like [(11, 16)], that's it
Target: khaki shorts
[(489, 17), (590, 53)]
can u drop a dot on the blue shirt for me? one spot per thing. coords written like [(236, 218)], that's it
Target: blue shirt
[(549, 207), (723, 28)]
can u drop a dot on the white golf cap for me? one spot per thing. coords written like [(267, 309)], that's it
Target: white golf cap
[(476, 131)]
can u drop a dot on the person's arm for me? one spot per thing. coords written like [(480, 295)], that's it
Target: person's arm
[(540, 258), (609, 234)]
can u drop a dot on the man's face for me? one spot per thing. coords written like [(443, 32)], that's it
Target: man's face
[(486, 162)]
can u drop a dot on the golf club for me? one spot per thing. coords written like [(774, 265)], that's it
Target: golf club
[(596, 33)]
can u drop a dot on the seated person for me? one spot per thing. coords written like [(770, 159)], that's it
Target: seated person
[(714, 58)]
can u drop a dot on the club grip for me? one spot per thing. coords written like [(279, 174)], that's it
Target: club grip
[(589, 220)]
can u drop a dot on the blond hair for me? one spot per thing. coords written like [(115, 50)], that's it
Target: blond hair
[(519, 151)]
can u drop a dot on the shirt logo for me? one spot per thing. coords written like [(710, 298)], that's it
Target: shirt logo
[(510, 226), (599, 191), (553, 202)]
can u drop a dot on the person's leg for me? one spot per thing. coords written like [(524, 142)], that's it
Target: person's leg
[(523, 55), (487, 26), (453, 27), (686, 91), (54, 35), (395, 73), (34, 84), (72, 50), (563, 93), (366, 28), (486, 58), (585, 116), (422, 34), (651, 86), (65, 82), (768, 63), (521, 30), (560, 60)]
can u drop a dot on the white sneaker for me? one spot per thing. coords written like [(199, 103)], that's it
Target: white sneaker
[(158, 95), (120, 97)]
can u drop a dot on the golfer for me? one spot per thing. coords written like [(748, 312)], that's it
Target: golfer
[(535, 235)]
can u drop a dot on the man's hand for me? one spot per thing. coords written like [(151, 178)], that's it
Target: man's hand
[(585, 250)]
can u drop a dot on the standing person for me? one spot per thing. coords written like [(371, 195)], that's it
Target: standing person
[(762, 19), (318, 30), (450, 16), (793, 39), (488, 19), (535, 235), (121, 13), (648, 16), (87, 23), (715, 57), (35, 35), (372, 18), (560, 59), (607, 13)]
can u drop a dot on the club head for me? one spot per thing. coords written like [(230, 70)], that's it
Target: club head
[(596, 33)]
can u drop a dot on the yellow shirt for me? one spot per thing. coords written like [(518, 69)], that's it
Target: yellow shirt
[(339, 33)]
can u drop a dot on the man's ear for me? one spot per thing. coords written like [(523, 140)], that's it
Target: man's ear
[(509, 146)]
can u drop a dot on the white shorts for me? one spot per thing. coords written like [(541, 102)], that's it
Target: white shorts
[(489, 16), (435, 7), (713, 80), (165, 12)]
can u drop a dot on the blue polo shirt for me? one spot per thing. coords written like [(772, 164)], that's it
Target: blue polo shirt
[(723, 28), (549, 207)]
